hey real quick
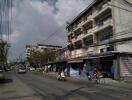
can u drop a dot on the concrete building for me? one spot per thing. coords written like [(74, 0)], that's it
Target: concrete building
[(41, 48), (101, 36)]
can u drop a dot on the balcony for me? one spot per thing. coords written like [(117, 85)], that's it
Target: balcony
[(71, 32), (101, 10), (69, 41), (89, 18), (104, 36), (79, 27), (77, 38), (78, 53), (103, 25), (88, 41), (90, 50), (88, 32)]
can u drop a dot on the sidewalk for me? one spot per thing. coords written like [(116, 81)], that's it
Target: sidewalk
[(108, 81)]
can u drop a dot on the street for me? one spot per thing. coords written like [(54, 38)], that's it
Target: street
[(32, 86)]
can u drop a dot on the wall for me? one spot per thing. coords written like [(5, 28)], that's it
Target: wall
[(122, 18), (125, 47)]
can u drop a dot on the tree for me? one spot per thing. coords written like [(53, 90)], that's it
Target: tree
[(37, 57), (3, 52)]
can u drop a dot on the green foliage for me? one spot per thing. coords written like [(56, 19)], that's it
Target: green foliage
[(3, 52), (37, 57)]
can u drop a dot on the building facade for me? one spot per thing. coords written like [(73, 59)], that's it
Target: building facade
[(41, 48), (103, 28)]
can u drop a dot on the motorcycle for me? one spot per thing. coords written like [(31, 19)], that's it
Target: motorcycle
[(61, 77)]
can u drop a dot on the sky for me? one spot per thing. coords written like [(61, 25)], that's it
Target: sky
[(35, 20)]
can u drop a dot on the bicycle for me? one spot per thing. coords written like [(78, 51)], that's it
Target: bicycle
[(98, 78)]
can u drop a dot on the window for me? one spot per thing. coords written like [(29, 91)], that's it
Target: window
[(88, 41), (78, 45), (111, 48), (87, 27), (100, 21), (103, 50), (105, 36)]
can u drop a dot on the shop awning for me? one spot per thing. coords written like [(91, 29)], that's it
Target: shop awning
[(75, 61), (100, 56), (104, 55)]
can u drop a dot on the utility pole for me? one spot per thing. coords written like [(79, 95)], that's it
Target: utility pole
[(5, 28)]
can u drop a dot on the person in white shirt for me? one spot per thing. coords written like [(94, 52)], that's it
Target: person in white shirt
[(63, 76)]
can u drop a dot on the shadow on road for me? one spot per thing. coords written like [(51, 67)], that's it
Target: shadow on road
[(18, 97), (73, 91), (7, 80)]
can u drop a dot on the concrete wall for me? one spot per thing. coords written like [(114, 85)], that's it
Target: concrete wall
[(122, 18), (78, 53), (125, 47)]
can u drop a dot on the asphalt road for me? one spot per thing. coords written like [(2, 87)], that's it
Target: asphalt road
[(31, 86)]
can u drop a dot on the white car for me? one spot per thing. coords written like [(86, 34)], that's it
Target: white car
[(32, 69), (22, 70), (2, 73)]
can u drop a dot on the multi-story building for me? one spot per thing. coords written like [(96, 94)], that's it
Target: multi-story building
[(41, 48), (104, 31), (28, 50)]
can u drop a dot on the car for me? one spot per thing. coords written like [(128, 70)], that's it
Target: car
[(7, 68), (39, 69), (22, 70), (2, 73), (32, 69)]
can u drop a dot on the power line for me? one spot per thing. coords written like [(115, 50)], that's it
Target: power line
[(120, 7), (128, 3), (5, 21), (56, 31)]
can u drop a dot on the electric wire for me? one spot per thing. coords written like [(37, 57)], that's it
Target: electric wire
[(56, 31)]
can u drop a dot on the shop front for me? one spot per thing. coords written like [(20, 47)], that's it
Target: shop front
[(75, 66), (114, 65), (102, 63)]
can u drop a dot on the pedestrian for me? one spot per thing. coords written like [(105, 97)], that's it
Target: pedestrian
[(59, 75), (88, 75), (62, 75)]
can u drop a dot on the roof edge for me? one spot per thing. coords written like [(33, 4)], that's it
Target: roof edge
[(81, 13)]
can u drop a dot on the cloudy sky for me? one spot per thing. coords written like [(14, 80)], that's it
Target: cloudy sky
[(35, 20)]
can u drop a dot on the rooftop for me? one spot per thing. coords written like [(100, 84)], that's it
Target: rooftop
[(49, 45), (80, 14)]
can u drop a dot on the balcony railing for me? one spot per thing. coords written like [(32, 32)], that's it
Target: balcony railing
[(89, 18), (101, 9), (103, 25), (78, 53), (77, 38), (88, 31), (81, 53)]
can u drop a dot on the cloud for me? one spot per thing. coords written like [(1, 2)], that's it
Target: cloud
[(35, 20), (68, 9)]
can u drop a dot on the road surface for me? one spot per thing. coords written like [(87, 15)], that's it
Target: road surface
[(31, 86)]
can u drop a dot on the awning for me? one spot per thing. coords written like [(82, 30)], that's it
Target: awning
[(75, 61), (104, 55), (99, 56)]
